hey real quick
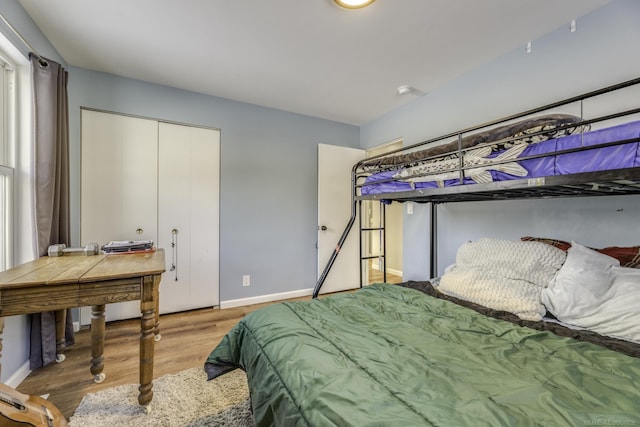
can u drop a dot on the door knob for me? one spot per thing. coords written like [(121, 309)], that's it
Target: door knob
[(323, 228)]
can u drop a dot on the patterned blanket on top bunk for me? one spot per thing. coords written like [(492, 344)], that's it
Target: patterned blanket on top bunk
[(499, 160)]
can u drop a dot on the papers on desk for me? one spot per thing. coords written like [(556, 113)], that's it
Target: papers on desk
[(128, 246)]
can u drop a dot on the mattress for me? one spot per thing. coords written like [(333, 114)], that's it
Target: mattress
[(546, 162)]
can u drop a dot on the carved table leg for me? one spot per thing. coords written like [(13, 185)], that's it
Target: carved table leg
[(156, 326), (146, 357), (148, 323), (97, 342), (61, 324)]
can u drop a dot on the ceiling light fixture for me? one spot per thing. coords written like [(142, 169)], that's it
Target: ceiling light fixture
[(353, 4), (404, 90), (409, 90)]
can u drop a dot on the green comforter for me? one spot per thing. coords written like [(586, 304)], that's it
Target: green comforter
[(392, 356)]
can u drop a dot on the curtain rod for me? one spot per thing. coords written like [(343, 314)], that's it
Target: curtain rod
[(42, 60)]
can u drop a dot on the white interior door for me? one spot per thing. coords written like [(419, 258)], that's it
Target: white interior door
[(188, 209), (334, 210)]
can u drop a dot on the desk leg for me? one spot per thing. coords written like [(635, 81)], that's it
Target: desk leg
[(156, 326), (148, 304), (61, 326), (97, 342)]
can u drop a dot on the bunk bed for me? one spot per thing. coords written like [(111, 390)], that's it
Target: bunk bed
[(542, 332)]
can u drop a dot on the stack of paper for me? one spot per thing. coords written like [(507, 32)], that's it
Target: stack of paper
[(122, 246)]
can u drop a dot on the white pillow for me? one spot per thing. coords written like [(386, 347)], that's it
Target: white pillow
[(503, 275), (581, 282), (592, 291)]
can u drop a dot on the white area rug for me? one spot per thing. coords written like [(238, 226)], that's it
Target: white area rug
[(182, 399)]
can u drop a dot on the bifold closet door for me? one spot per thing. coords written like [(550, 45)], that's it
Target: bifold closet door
[(144, 179), (118, 196), (188, 216)]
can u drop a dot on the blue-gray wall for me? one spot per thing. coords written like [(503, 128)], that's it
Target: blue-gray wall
[(601, 52)]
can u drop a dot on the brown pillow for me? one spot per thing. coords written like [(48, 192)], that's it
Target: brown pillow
[(560, 244), (629, 256)]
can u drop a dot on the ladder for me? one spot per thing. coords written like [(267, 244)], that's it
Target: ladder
[(382, 243)]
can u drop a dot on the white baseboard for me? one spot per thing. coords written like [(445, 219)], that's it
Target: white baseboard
[(376, 266), (265, 298), (394, 272), (16, 379)]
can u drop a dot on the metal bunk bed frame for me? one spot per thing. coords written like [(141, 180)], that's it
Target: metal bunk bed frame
[(601, 183)]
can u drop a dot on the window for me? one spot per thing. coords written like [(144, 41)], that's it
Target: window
[(6, 183), (7, 114)]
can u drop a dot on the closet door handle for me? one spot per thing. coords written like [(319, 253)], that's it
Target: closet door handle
[(139, 231), (174, 253)]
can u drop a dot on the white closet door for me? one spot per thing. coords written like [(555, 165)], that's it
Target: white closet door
[(188, 216), (118, 198), (100, 198), (140, 180)]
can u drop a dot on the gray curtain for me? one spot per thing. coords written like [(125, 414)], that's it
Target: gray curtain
[(51, 133)]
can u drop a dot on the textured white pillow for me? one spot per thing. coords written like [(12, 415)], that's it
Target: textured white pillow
[(593, 292), (503, 275)]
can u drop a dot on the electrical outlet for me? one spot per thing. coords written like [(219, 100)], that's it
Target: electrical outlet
[(246, 280)]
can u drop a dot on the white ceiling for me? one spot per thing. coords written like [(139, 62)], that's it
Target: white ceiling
[(304, 56)]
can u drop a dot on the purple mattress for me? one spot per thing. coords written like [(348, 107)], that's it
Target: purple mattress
[(598, 159)]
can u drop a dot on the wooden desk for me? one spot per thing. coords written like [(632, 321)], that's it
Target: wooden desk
[(58, 283)]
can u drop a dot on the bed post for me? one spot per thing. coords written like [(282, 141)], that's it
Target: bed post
[(383, 225), (433, 241), (360, 275)]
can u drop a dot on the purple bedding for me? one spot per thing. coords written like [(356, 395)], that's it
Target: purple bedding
[(607, 158)]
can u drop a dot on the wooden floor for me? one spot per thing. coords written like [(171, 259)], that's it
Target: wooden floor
[(187, 340), (376, 276)]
